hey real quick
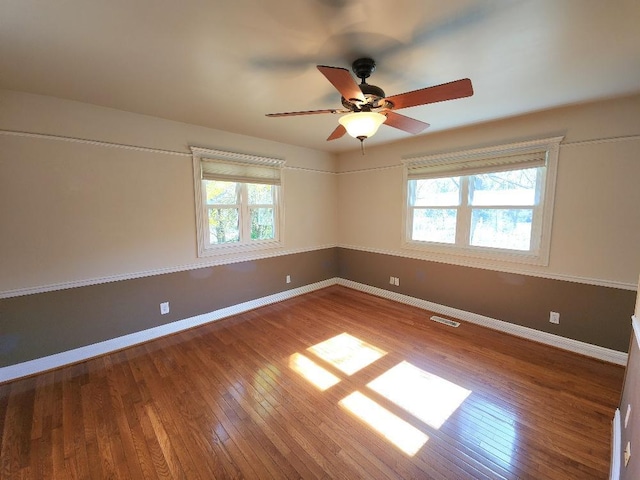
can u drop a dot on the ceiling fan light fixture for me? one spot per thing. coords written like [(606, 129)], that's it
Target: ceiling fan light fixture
[(362, 125)]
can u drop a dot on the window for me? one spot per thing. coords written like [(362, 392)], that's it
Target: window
[(493, 203), (237, 201)]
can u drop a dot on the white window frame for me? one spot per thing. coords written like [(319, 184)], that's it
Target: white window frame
[(205, 248), (455, 164)]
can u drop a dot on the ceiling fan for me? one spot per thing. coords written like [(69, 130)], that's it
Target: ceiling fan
[(367, 107)]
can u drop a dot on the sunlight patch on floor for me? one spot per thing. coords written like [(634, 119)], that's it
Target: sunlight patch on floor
[(426, 396), (402, 434), (313, 372), (347, 353)]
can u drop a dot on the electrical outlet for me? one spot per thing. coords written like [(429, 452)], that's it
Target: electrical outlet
[(288, 278), (626, 417), (164, 308), (392, 280), (396, 281), (554, 317)]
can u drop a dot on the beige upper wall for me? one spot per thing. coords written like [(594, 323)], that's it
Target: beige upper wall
[(76, 212), (41, 114), (596, 225), (73, 212)]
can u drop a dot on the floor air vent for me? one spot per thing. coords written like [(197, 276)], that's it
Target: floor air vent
[(445, 321)]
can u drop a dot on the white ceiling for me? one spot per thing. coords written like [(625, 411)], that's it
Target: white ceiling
[(224, 64)]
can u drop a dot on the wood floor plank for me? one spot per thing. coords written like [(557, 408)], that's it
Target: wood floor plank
[(228, 400), (228, 436)]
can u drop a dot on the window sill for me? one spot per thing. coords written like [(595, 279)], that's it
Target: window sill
[(479, 255), (221, 250)]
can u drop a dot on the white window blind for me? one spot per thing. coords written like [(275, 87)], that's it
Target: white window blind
[(474, 165), (239, 172)]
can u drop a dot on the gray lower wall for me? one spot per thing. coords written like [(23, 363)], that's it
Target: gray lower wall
[(38, 325), (591, 314), (34, 326)]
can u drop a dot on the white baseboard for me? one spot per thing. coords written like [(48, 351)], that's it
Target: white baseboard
[(614, 472), (76, 355), (601, 353)]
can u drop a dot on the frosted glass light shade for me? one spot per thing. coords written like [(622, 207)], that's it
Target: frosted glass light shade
[(362, 124)]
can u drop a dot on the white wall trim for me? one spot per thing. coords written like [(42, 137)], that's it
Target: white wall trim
[(76, 355), (371, 169), (100, 143), (209, 262), (310, 170), (595, 351), (497, 267), (48, 136), (251, 256), (577, 143), (635, 321), (601, 140)]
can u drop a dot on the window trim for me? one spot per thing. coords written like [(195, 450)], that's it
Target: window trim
[(455, 163), (232, 158)]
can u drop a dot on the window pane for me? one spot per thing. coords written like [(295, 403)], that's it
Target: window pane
[(502, 228), (434, 225), (262, 224), (221, 192), (436, 192), (516, 187), (223, 225), (260, 194)]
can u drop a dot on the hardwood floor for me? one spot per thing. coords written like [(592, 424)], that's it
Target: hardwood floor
[(239, 399)]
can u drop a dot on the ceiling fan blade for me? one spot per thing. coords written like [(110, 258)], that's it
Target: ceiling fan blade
[(337, 133), (406, 124), (439, 93), (306, 112), (343, 81)]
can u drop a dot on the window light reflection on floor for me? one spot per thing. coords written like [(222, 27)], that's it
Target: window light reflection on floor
[(347, 353), (428, 397), (313, 372), (402, 434), (501, 439)]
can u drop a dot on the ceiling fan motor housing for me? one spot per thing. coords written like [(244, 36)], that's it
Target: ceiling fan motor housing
[(375, 99), (363, 68)]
